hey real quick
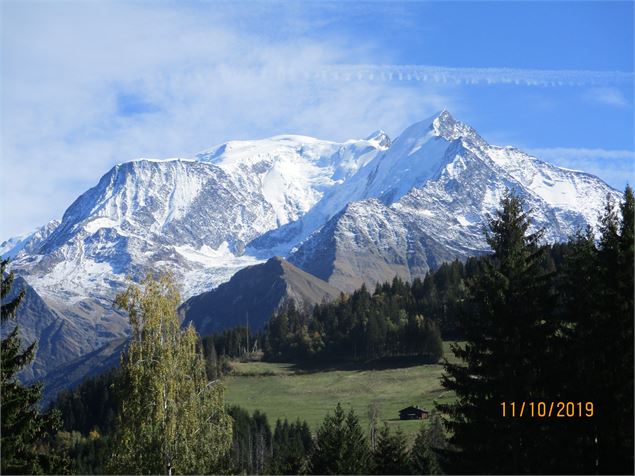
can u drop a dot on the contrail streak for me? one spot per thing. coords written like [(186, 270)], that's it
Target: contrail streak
[(441, 75)]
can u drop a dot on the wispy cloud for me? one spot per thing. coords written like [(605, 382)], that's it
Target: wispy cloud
[(88, 85), (608, 96)]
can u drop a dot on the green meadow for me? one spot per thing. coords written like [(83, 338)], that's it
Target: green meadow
[(284, 390)]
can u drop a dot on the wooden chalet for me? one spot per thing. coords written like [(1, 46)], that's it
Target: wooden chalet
[(413, 413)]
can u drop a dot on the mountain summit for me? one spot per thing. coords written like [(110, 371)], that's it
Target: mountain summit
[(346, 212)]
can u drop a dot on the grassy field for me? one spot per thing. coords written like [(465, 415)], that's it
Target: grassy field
[(286, 391)]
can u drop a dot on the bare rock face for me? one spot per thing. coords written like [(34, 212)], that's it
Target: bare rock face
[(253, 294)]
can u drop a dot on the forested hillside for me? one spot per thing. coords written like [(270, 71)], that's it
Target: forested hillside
[(397, 319)]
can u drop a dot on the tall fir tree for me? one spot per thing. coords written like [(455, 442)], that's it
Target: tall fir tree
[(292, 448), (612, 346), (623, 321), (595, 362), (576, 367), (356, 452), (391, 454), (341, 447), (508, 337), (171, 418), (429, 440), (25, 430)]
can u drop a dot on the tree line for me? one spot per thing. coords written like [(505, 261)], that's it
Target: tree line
[(362, 326), (220, 348), (397, 319), (339, 446)]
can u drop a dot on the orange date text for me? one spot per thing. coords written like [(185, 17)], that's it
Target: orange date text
[(546, 409)]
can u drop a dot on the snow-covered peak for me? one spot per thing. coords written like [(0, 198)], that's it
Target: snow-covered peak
[(443, 119), (134, 198), (444, 125), (28, 242), (414, 157), (246, 152), (440, 124), (12, 246), (293, 172), (559, 187), (307, 155), (380, 138), (417, 155)]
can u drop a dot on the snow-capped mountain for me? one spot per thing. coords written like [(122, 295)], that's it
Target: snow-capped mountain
[(449, 160), (190, 216), (352, 212), (455, 183)]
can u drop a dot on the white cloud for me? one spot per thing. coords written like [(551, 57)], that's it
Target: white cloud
[(608, 96), (87, 85)]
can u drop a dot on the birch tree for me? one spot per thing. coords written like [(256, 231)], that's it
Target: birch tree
[(172, 420)]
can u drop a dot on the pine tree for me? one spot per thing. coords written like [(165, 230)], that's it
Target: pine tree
[(624, 332), (423, 454), (509, 337), (292, 446), (576, 367), (328, 449), (341, 447), (613, 338), (391, 454), (171, 419), (24, 433), (595, 363), (356, 456)]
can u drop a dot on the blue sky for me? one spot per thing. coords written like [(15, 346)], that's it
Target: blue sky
[(86, 85)]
